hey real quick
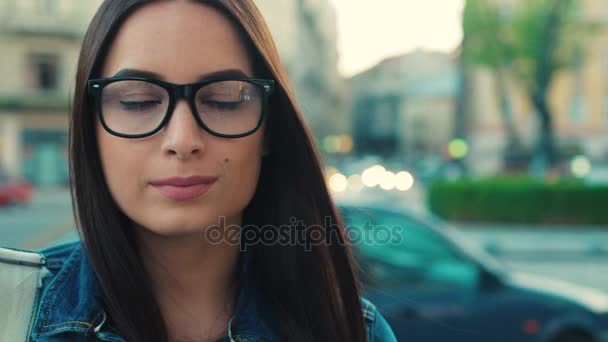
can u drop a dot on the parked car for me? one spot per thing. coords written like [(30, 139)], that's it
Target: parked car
[(14, 190), (431, 286)]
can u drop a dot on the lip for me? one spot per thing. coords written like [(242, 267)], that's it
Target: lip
[(184, 188)]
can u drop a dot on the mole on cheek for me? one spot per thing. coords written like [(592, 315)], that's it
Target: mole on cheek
[(227, 160)]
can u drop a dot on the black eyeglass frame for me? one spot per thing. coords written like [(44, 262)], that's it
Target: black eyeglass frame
[(176, 92)]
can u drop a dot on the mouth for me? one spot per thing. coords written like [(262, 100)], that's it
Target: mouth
[(184, 189)]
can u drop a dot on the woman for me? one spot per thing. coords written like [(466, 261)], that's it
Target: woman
[(192, 171)]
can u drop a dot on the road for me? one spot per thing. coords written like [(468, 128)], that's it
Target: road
[(575, 254), (46, 220)]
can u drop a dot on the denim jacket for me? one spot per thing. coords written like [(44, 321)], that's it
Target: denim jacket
[(67, 309)]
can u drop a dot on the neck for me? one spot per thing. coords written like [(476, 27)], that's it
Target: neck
[(194, 281)]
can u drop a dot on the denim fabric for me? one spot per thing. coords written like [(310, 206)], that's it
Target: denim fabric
[(68, 311)]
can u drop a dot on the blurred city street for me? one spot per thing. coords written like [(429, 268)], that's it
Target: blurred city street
[(487, 119), (571, 253), (578, 254), (575, 254), (46, 220)]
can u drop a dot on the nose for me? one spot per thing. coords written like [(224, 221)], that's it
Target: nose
[(183, 137)]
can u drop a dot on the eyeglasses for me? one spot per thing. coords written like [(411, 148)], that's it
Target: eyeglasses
[(137, 107)]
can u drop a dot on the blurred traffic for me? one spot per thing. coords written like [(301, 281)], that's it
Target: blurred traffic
[(433, 287), (14, 190)]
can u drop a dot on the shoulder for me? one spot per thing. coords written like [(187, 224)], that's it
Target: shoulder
[(65, 262), (376, 326), (60, 251), (56, 256), (48, 262)]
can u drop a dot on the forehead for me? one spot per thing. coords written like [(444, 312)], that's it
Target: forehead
[(179, 40)]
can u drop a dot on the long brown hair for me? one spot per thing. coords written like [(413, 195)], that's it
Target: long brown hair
[(315, 293)]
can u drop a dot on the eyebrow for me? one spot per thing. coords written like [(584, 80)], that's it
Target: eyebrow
[(150, 74)]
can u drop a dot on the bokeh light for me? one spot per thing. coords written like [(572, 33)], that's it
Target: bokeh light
[(580, 166), (458, 148), (355, 183), (338, 182), (405, 181), (372, 176), (388, 180)]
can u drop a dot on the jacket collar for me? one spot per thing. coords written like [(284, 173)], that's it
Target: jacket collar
[(68, 302)]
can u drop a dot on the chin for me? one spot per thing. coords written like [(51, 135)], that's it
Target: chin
[(172, 231), (169, 226)]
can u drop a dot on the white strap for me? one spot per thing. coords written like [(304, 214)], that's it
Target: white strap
[(21, 275)]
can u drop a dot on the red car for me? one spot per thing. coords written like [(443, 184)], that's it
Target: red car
[(14, 190)]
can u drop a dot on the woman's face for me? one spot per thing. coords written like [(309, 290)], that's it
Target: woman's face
[(180, 41)]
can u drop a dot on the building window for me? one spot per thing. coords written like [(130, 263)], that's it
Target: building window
[(45, 71)]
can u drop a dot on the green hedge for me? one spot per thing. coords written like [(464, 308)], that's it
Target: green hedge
[(519, 200)]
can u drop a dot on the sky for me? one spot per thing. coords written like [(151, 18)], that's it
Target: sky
[(371, 30)]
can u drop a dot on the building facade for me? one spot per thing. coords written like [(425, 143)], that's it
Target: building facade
[(404, 106), (306, 35), (40, 42)]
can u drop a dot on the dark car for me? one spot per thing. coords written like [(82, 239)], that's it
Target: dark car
[(431, 286), (14, 190)]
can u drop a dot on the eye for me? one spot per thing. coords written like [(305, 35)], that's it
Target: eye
[(222, 105), (139, 105)]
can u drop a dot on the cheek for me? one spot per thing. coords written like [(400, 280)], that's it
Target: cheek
[(242, 170), (121, 164)]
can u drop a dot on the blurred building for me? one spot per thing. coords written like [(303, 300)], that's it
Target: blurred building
[(306, 35), (578, 100), (403, 107), (40, 42)]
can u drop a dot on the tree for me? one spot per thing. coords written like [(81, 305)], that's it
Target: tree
[(487, 36), (535, 42), (547, 38)]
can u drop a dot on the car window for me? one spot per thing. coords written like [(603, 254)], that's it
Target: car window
[(413, 256)]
